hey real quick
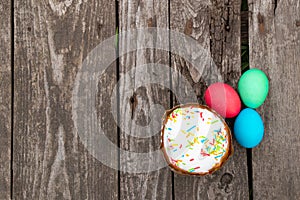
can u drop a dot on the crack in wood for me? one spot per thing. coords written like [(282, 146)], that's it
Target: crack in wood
[(227, 12), (133, 103), (275, 6), (261, 22)]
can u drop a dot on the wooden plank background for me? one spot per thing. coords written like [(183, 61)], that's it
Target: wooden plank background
[(51, 40), (136, 103), (274, 32), (5, 98), (216, 26)]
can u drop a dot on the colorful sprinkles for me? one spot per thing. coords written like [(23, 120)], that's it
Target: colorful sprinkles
[(195, 139)]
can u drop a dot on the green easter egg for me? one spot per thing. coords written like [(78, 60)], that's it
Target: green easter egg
[(253, 88)]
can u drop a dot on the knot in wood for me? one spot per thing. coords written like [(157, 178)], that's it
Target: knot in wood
[(226, 179)]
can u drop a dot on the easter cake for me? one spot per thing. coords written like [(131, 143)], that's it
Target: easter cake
[(195, 140)]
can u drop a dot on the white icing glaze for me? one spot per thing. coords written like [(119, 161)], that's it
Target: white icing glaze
[(195, 139)]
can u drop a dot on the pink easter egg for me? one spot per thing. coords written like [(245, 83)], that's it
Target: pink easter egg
[(224, 99)]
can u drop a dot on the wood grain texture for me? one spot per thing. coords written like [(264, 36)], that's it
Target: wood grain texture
[(136, 103), (275, 48), (52, 39), (216, 27), (5, 98)]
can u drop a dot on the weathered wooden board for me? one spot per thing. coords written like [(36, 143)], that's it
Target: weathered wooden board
[(5, 98), (275, 48), (137, 98), (52, 38), (216, 27)]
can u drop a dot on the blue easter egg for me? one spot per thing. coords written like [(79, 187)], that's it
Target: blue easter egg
[(248, 128)]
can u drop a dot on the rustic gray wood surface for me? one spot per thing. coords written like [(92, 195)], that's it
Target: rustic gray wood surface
[(216, 26), (52, 38), (5, 98), (136, 102), (274, 32)]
